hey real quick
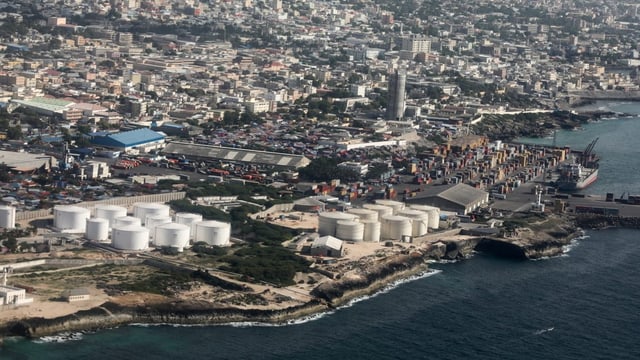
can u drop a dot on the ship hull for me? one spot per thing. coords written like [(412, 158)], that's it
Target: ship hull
[(580, 184)]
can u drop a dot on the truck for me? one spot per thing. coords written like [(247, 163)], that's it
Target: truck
[(499, 196)]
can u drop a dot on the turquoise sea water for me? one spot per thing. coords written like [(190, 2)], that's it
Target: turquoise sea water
[(584, 305)]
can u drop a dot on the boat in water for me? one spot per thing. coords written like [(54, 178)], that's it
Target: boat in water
[(581, 173)]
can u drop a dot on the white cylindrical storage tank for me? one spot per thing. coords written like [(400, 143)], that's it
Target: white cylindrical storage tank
[(213, 232), (110, 212), (380, 209), (71, 218), (395, 205), (97, 229), (434, 214), (7, 217), (364, 214), (190, 220), (371, 231), (327, 222), (126, 221), (154, 220), (396, 227), (173, 235), (348, 230), (142, 210), (420, 224), (130, 237)]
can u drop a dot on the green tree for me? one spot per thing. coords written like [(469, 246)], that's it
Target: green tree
[(14, 133), (5, 174), (326, 169), (230, 118), (11, 243)]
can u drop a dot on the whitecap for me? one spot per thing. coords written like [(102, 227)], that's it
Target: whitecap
[(443, 261), (392, 286), (566, 249), (309, 318), (542, 331), (60, 338)]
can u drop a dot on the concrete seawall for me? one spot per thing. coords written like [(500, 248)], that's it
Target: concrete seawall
[(594, 221)]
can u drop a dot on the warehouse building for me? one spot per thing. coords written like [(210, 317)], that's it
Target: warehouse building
[(327, 246), (26, 162), (45, 106), (133, 141), (236, 155), (460, 198)]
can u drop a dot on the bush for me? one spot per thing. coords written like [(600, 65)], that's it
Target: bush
[(271, 264)]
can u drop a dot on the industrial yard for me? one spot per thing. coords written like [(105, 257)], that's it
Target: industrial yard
[(122, 254)]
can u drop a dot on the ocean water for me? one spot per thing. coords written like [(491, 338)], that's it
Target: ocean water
[(618, 147), (583, 305)]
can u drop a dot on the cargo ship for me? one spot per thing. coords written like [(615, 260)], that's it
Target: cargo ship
[(581, 173)]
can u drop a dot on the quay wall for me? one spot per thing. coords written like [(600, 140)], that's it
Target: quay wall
[(595, 221)]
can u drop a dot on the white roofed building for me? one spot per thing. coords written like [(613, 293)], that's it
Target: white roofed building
[(327, 246), (10, 295)]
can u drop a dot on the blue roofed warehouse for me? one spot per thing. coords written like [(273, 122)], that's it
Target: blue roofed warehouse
[(140, 140)]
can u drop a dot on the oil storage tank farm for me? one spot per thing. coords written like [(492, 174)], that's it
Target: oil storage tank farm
[(395, 205), (154, 220), (380, 209), (172, 235), (328, 221), (348, 230), (364, 214), (395, 227), (130, 237), (420, 223), (7, 217), (188, 219), (110, 212), (434, 214), (371, 230), (97, 229), (213, 232), (70, 218), (142, 210), (126, 220)]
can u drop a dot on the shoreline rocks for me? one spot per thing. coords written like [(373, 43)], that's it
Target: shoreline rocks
[(328, 296), (110, 315)]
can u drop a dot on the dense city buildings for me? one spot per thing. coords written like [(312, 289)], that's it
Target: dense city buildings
[(265, 149)]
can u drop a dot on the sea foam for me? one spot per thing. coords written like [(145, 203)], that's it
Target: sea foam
[(60, 338), (309, 318)]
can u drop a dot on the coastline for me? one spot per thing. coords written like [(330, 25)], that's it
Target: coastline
[(111, 315), (327, 297)]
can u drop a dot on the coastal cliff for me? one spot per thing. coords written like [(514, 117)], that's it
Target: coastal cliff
[(328, 296), (338, 292), (111, 315)]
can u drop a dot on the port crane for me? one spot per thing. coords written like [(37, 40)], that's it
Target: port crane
[(586, 157)]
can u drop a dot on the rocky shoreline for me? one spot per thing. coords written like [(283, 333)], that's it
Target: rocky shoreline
[(538, 125), (111, 315), (327, 296)]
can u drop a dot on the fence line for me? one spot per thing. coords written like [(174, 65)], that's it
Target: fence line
[(120, 201)]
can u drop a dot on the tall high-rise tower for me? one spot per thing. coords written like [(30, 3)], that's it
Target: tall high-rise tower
[(395, 103)]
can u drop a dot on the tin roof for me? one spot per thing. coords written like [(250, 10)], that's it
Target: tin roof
[(236, 154)]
